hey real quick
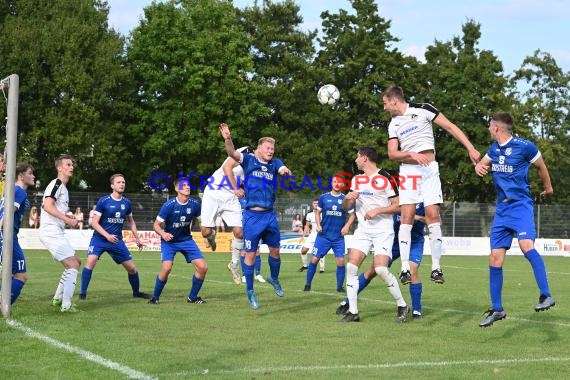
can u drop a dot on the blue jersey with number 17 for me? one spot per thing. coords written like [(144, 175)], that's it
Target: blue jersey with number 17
[(333, 216), (509, 168), (260, 181)]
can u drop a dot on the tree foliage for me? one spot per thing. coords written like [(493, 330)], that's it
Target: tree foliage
[(72, 84), (153, 100), (191, 66)]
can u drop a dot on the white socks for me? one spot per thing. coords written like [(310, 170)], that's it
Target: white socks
[(67, 282), (435, 244), (237, 246), (391, 284), (352, 287), (404, 240)]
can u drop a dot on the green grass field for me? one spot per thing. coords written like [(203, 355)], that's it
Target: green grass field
[(116, 336)]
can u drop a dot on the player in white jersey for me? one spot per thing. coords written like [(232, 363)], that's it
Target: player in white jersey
[(411, 141), (309, 237), (53, 219), (374, 198)]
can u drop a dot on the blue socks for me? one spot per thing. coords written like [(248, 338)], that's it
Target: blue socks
[(158, 287), (257, 265), (85, 279), (340, 275), (17, 286), (274, 267), (311, 270), (416, 296), (496, 287), (539, 270), (247, 271), (134, 281), (196, 286)]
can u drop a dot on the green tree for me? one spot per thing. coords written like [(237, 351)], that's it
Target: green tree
[(543, 116), (72, 84), (282, 56), (357, 55), (466, 84), (192, 69)]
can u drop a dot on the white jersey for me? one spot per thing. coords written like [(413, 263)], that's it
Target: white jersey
[(57, 190), (218, 184), (414, 129), (311, 219), (376, 192)]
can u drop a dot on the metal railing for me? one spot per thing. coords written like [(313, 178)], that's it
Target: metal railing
[(462, 219)]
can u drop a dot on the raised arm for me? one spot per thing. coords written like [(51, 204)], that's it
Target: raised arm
[(230, 149), (454, 130)]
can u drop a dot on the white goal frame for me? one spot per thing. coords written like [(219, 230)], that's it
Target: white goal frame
[(12, 84)]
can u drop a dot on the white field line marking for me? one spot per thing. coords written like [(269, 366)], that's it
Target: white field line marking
[(248, 371), (131, 373)]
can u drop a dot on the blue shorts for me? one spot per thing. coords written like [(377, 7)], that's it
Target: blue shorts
[(18, 259), (513, 218), (258, 225), (118, 251), (188, 248), (416, 249), (323, 245)]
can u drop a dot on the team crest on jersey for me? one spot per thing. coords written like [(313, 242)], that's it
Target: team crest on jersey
[(122, 207), (508, 151), (188, 211), (339, 201), (414, 116)]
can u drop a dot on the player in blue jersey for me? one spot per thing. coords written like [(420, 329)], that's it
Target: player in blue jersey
[(261, 173), (331, 228), (411, 142), (508, 159), (24, 179), (173, 223), (111, 213), (416, 255)]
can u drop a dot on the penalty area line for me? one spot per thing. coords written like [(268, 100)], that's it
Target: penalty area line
[(252, 371), (131, 373)]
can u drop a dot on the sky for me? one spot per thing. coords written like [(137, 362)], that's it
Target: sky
[(511, 29)]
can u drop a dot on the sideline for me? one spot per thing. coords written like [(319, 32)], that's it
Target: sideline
[(131, 373)]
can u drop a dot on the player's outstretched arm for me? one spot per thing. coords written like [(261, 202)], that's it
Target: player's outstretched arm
[(454, 130), (482, 167), (230, 149)]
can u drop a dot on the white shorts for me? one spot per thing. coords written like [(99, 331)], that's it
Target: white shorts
[(420, 184), (379, 242), (310, 240), (220, 203), (57, 244)]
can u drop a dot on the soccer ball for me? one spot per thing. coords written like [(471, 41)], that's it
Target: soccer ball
[(328, 94)]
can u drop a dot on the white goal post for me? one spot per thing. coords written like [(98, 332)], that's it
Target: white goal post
[(12, 85)]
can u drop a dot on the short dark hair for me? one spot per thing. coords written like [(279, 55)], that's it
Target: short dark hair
[(62, 157), (394, 92), (21, 168), (504, 118), (369, 152), (112, 178)]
